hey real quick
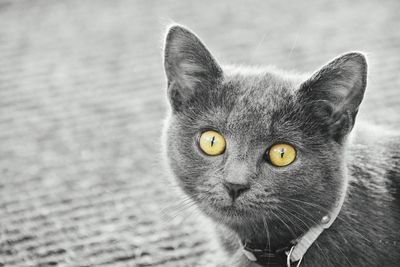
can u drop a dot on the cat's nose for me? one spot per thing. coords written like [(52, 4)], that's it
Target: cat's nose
[(235, 190)]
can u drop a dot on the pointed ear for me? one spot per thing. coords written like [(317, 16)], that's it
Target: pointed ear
[(334, 93), (189, 66)]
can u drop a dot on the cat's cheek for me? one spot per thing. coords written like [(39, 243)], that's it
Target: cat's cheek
[(271, 176)]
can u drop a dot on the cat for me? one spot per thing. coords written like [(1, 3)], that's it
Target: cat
[(270, 156)]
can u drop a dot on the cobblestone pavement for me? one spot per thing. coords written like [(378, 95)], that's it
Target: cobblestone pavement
[(82, 102)]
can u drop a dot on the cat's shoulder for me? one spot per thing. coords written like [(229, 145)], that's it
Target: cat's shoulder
[(374, 158), (376, 139)]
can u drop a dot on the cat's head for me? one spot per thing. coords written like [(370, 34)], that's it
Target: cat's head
[(251, 145)]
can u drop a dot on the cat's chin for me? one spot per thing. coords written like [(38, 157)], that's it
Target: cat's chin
[(231, 214)]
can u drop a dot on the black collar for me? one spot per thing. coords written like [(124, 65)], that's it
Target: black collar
[(265, 256)]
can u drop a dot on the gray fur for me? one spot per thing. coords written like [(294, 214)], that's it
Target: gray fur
[(256, 108)]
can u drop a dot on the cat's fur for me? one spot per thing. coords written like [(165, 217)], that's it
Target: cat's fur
[(256, 108)]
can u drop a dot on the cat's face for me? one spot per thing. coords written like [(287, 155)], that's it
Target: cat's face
[(251, 111)]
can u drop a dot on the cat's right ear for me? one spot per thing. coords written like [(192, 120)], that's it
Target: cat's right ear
[(334, 93), (189, 66)]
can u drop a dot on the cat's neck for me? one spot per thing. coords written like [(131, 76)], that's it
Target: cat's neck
[(273, 235)]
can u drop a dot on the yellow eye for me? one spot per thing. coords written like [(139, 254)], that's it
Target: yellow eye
[(212, 143), (282, 154)]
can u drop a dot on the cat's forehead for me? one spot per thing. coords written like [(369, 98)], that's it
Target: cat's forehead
[(257, 97), (261, 87)]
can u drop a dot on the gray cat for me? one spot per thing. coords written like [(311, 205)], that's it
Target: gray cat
[(268, 156)]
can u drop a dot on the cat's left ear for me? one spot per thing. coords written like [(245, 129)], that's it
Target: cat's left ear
[(334, 93), (189, 66)]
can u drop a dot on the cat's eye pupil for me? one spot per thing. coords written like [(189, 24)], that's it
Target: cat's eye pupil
[(212, 140), (282, 152)]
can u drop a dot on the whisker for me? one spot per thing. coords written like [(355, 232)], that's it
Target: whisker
[(287, 226), (294, 212)]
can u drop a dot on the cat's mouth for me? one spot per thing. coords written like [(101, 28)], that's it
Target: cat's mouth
[(227, 213)]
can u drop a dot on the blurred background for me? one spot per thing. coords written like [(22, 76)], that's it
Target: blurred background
[(82, 100)]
